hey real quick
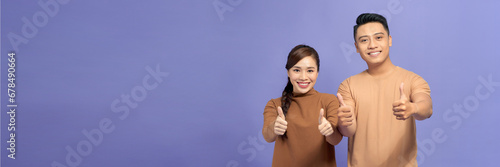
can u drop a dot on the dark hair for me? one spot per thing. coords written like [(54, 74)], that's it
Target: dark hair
[(296, 54), (368, 18)]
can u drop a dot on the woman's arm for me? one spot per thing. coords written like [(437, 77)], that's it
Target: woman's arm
[(268, 132), (332, 118), (334, 138), (274, 122)]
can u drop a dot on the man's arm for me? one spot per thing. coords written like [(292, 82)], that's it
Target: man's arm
[(347, 119), (419, 106), (423, 106)]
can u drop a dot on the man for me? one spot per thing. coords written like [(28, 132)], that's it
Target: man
[(379, 105)]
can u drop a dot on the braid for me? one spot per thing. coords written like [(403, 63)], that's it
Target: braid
[(286, 98)]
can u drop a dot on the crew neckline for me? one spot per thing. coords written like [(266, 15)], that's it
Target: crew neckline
[(310, 92), (383, 75)]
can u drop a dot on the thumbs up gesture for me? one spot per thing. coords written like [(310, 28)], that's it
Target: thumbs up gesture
[(345, 113), (280, 124), (403, 108), (324, 125)]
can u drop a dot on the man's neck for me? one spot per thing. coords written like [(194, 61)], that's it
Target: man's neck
[(381, 69)]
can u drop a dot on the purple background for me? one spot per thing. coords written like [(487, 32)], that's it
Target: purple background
[(222, 69)]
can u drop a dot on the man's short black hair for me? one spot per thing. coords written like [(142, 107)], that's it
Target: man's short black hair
[(370, 17)]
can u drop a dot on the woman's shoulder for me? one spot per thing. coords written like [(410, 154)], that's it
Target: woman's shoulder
[(327, 96), (328, 99), (274, 102)]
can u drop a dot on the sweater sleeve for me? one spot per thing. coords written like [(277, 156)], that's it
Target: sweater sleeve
[(270, 114), (331, 116)]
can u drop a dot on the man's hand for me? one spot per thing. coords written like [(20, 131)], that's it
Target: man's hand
[(345, 113), (403, 108)]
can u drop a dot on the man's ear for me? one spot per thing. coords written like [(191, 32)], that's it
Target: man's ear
[(390, 40), (356, 45)]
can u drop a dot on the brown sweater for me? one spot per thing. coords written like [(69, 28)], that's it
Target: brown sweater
[(304, 145)]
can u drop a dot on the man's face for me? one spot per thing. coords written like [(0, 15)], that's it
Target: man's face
[(372, 43)]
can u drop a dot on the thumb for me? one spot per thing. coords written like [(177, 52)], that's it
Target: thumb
[(341, 100), (321, 113), (280, 113), (401, 90)]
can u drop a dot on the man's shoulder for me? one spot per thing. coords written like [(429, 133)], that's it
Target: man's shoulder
[(408, 73), (360, 76)]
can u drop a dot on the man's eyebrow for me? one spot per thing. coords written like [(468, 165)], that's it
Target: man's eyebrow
[(362, 36), (378, 33)]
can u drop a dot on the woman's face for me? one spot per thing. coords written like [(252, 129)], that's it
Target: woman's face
[(303, 75)]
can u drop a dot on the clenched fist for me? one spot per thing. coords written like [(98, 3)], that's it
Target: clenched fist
[(324, 126), (403, 108), (345, 113), (280, 124)]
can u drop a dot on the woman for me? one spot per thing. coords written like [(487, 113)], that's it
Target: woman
[(292, 120)]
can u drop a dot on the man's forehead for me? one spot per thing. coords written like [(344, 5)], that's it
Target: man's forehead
[(371, 28)]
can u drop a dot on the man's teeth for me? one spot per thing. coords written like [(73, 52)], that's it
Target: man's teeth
[(373, 53)]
